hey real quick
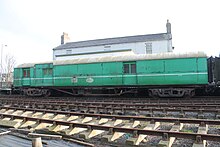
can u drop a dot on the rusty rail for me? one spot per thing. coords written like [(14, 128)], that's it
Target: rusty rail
[(139, 118), (136, 131)]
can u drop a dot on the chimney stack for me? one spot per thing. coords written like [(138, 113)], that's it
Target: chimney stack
[(64, 38), (168, 25)]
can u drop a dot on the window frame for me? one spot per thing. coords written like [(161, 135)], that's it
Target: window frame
[(130, 69), (26, 72), (47, 71), (68, 51), (149, 49)]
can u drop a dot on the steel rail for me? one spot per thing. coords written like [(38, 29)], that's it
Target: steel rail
[(136, 131), (195, 106), (139, 118), (113, 109), (123, 109), (136, 100), (135, 107)]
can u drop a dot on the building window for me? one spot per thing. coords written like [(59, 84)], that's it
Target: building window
[(68, 51), (107, 46), (129, 68), (148, 47), (26, 73)]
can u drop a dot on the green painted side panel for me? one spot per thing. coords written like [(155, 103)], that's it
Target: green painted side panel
[(201, 79), (148, 72), (17, 77), (63, 75), (112, 73), (26, 81), (91, 74), (172, 71), (181, 71), (180, 65), (39, 76), (48, 76), (129, 79)]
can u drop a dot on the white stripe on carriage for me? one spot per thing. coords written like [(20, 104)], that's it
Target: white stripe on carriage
[(114, 76)]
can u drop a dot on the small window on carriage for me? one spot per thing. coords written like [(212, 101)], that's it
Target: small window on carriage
[(129, 67), (26, 73), (126, 68), (48, 71), (133, 68)]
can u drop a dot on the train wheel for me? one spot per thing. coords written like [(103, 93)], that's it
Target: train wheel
[(47, 94), (189, 93)]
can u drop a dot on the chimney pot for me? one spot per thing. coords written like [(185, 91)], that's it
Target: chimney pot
[(168, 25), (64, 38)]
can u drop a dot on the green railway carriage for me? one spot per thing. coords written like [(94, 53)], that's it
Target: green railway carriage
[(159, 75)]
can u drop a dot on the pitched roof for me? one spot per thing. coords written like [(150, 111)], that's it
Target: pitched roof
[(128, 57), (117, 40), (131, 57)]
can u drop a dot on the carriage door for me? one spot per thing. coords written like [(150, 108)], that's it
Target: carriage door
[(129, 73), (48, 75), (26, 80)]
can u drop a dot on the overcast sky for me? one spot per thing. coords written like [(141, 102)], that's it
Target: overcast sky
[(32, 28)]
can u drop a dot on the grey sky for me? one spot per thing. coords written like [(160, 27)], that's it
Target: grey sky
[(31, 28)]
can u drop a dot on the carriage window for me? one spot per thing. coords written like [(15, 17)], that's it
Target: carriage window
[(129, 68), (126, 68), (47, 71), (133, 68), (26, 73)]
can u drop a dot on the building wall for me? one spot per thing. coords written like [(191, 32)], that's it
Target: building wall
[(114, 49)]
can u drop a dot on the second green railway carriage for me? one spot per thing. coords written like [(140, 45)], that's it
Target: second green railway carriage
[(159, 75)]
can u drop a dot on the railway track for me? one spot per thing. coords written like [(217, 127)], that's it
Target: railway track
[(198, 99), (196, 103), (199, 110), (112, 122), (109, 128)]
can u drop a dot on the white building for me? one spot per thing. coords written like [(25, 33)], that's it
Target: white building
[(140, 44)]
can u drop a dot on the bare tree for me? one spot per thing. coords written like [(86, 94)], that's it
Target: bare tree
[(8, 67)]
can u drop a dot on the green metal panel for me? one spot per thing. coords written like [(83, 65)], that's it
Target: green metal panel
[(90, 74), (112, 73), (26, 81), (37, 78), (181, 71), (202, 68), (150, 72), (172, 71), (181, 65), (48, 75), (96, 74), (63, 75), (17, 77), (42, 76)]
